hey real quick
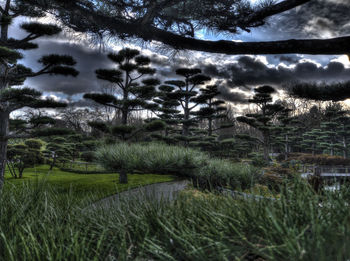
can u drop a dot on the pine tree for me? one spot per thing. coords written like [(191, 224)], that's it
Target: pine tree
[(311, 140), (14, 74), (188, 92), (166, 98), (262, 121), (344, 133), (21, 156), (282, 132), (56, 151), (212, 108), (131, 67)]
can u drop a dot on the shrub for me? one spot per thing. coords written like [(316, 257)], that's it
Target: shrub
[(320, 159), (258, 159), (88, 156)]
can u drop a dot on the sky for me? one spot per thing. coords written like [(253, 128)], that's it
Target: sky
[(236, 75)]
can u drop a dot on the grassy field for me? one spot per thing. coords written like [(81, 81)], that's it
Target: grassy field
[(83, 185)]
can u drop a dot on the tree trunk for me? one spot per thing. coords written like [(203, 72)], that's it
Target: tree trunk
[(4, 129), (266, 147), (125, 116), (210, 126), (185, 126), (53, 163), (345, 146), (286, 148), (332, 149), (123, 177)]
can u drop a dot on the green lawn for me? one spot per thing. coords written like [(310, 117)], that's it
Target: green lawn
[(83, 185)]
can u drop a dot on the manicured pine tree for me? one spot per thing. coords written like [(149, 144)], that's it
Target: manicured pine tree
[(262, 121), (129, 95), (188, 92), (21, 156), (167, 100), (296, 139), (282, 132), (311, 140), (244, 145), (344, 133), (56, 151), (14, 74), (330, 139), (211, 108)]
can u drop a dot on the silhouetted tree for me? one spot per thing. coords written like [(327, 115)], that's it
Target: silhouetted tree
[(212, 108), (187, 91), (262, 121), (131, 67), (14, 74)]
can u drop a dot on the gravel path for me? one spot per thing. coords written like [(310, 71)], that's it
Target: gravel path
[(157, 191)]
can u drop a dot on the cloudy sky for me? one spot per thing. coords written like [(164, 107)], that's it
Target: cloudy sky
[(236, 75)]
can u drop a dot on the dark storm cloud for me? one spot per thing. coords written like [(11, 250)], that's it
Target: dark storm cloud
[(288, 59), (249, 72), (87, 62), (229, 95)]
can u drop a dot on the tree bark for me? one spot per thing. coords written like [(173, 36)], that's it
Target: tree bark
[(4, 129), (345, 148), (210, 126), (266, 147), (185, 126), (53, 163), (286, 148), (123, 177)]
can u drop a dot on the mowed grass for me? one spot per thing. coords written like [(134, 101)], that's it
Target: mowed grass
[(83, 185)]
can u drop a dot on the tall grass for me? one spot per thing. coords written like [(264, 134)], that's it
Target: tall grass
[(176, 160), (36, 224)]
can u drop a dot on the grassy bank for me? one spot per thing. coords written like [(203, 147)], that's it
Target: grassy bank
[(83, 185), (35, 224)]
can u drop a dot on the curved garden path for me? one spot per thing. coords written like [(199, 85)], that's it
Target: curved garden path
[(157, 191)]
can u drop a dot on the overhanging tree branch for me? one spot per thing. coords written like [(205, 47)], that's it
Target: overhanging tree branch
[(118, 26)]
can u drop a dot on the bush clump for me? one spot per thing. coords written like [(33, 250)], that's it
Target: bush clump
[(321, 159), (183, 162), (224, 173)]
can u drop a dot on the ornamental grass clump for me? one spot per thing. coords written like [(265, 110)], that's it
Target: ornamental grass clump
[(206, 172), (151, 158), (223, 173)]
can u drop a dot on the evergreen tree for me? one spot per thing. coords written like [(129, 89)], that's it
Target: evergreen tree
[(212, 108), (129, 95), (283, 132), (311, 140), (187, 91), (21, 156), (167, 100), (56, 151), (262, 121), (344, 133), (14, 74)]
